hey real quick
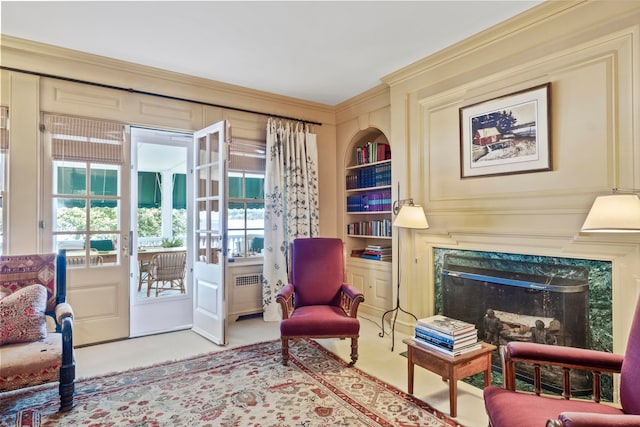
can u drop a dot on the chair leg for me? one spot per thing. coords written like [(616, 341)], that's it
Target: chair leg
[(67, 387), (285, 350), (354, 350)]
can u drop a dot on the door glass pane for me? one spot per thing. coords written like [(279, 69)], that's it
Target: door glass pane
[(104, 180), (215, 217), (69, 214), (71, 178), (215, 180), (202, 189), (202, 150), (203, 223), (70, 242), (209, 248), (202, 239), (216, 244), (103, 215), (214, 142)]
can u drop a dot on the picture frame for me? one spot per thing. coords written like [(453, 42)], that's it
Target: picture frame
[(507, 135)]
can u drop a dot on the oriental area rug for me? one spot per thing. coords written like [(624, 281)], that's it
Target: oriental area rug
[(246, 386)]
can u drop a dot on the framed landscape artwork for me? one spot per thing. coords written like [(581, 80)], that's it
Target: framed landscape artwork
[(506, 135)]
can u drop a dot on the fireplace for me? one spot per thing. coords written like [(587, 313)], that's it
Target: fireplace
[(524, 298)]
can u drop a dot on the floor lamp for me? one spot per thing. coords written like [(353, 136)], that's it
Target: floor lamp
[(409, 216)]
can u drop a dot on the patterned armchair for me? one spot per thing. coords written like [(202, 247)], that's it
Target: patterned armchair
[(32, 287), (316, 303), (507, 407)]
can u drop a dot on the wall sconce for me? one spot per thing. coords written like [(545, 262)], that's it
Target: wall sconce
[(409, 215), (614, 213)]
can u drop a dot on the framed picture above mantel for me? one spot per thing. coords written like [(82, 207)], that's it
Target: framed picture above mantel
[(507, 135)]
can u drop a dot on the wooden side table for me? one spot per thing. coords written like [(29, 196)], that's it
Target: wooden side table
[(449, 367)]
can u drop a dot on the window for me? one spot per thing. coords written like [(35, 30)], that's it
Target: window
[(4, 148), (246, 199), (86, 196)]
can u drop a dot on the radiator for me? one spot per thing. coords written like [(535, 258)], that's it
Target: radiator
[(249, 279), (246, 295)]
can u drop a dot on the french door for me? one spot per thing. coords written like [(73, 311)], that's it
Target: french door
[(85, 186), (210, 232)]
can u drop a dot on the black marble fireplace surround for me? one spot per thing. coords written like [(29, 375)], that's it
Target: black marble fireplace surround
[(515, 297)]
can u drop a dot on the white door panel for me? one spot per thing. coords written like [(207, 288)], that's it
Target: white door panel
[(210, 239)]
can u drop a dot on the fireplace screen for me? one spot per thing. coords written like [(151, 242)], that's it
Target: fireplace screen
[(521, 301)]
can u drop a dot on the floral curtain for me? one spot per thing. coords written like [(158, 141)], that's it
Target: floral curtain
[(291, 202)]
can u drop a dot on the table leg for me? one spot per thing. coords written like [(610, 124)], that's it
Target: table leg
[(410, 369), (487, 372), (453, 394)]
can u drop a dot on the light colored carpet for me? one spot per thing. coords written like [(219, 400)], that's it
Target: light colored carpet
[(245, 386)]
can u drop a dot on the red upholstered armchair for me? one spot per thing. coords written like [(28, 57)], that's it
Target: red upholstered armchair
[(507, 407), (317, 303)]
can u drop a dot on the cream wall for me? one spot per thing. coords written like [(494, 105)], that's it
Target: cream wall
[(102, 301), (27, 95), (589, 51)]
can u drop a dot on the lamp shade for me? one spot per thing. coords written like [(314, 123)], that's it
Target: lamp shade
[(616, 213), (411, 216)]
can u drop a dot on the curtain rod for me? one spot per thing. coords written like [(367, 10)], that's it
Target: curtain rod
[(158, 95)]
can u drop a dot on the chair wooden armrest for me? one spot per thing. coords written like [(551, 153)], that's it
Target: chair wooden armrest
[(565, 357), (350, 299), (589, 419), (285, 298), (63, 310)]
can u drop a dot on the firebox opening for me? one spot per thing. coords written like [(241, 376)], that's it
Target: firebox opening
[(521, 301)]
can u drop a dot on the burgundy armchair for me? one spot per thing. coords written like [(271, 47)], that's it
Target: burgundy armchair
[(507, 407), (317, 303)]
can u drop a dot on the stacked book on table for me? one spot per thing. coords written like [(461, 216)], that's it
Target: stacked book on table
[(450, 336)]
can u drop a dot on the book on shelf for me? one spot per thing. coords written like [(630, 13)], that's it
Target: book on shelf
[(376, 257), (376, 228), (466, 349), (377, 252), (446, 342), (370, 251), (445, 324), (373, 152), (357, 252)]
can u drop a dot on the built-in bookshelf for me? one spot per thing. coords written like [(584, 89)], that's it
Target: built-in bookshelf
[(368, 194), (367, 218)]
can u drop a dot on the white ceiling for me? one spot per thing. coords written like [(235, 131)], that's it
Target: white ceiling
[(323, 51)]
